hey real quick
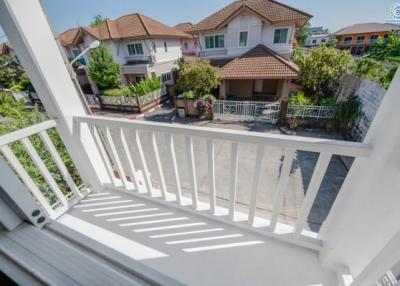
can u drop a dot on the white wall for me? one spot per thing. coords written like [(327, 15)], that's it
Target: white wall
[(258, 33), (192, 46), (318, 40)]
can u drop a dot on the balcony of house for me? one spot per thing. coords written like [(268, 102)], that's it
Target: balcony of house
[(175, 201), (213, 53)]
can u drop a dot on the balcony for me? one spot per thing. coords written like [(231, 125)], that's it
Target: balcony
[(156, 212)]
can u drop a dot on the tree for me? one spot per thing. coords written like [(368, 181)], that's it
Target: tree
[(332, 42), (302, 34), (10, 72), (98, 19), (383, 49), (199, 77), (103, 69), (319, 66)]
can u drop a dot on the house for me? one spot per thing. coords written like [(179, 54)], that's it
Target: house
[(143, 47), (131, 224), (318, 36), (251, 41), (7, 49), (358, 38), (190, 46)]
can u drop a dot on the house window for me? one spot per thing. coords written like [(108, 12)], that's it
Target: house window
[(243, 39), (154, 47), (280, 36), (215, 42), (323, 40), (347, 40), (185, 45), (166, 77), (76, 52), (314, 41), (360, 39), (373, 38), (165, 47), (135, 49), (386, 36)]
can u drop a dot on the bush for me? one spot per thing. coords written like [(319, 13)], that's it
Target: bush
[(299, 98), (200, 77), (347, 113), (327, 101), (103, 70), (189, 95), (319, 67), (117, 92), (146, 86)]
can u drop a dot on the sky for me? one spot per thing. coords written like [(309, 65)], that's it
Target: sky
[(332, 14)]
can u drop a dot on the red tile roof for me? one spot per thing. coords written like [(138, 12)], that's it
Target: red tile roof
[(259, 63), (270, 11), (5, 48), (67, 38), (367, 28), (183, 27)]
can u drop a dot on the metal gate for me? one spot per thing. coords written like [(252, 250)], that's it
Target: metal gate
[(246, 111)]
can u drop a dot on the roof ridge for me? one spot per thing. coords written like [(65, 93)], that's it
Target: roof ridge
[(144, 26), (290, 7)]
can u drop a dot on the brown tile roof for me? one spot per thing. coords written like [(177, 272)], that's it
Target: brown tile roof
[(129, 26), (259, 63), (5, 48), (67, 38), (269, 10), (367, 28), (183, 27)]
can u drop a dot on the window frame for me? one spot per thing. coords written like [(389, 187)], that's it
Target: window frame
[(214, 41), (275, 41), (135, 48), (76, 49), (168, 76), (246, 40)]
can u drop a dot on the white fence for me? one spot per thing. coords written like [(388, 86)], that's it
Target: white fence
[(246, 110), (311, 111), (54, 200)]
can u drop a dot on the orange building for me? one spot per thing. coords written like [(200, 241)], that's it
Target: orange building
[(358, 38)]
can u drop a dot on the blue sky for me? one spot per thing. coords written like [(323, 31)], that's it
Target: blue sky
[(332, 14)]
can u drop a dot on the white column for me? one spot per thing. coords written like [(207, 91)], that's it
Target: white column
[(28, 30), (364, 220)]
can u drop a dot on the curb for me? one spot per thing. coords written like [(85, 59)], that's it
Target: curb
[(147, 112)]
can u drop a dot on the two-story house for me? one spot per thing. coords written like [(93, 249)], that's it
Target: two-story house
[(143, 47), (251, 41), (358, 38), (190, 46)]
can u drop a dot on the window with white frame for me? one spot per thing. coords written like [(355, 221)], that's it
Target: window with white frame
[(165, 47), (165, 77), (243, 38), (154, 47), (281, 35), (135, 49), (215, 41), (76, 52)]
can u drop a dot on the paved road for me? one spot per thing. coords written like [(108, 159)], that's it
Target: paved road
[(301, 171)]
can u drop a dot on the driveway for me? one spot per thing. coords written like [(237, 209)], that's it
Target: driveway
[(301, 171)]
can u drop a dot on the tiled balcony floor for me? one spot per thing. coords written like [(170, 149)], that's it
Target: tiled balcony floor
[(191, 249)]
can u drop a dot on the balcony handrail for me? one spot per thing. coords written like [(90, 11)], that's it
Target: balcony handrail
[(338, 147)]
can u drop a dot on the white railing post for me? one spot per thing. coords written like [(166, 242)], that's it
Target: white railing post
[(364, 219), (28, 30)]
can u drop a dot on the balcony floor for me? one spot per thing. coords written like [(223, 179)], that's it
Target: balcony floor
[(191, 249)]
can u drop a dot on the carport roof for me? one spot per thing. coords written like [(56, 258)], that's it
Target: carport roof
[(259, 63)]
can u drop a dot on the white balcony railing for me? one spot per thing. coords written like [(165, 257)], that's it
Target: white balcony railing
[(27, 161), (121, 136)]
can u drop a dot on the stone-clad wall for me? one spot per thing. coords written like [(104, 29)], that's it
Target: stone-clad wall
[(370, 94)]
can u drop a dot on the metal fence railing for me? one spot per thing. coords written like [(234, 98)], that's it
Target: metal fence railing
[(310, 111)]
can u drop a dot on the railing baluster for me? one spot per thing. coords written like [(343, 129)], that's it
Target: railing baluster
[(115, 157), (26, 179), (282, 186), (192, 169), (128, 156), (170, 140), (256, 179), (234, 175), (103, 153), (211, 174), (312, 191), (44, 171), (159, 166), (60, 164), (146, 174)]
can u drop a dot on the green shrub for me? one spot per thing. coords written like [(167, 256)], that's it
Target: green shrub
[(327, 101), (347, 113), (146, 86), (117, 92), (189, 95), (299, 98), (368, 68)]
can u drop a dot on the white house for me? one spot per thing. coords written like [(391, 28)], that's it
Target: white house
[(190, 46), (143, 47), (316, 40), (229, 36)]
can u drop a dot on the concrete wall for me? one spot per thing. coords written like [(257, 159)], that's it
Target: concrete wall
[(370, 94), (258, 33)]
